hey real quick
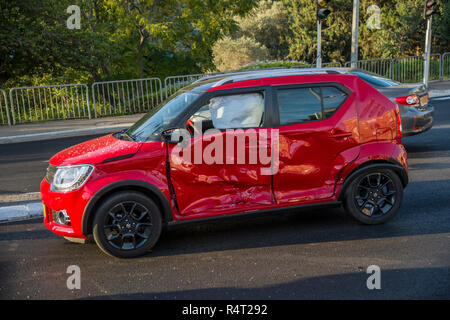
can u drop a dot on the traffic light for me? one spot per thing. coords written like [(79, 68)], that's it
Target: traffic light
[(431, 7), (322, 9)]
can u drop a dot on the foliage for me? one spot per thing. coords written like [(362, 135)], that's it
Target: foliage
[(124, 39), (402, 31), (118, 39), (230, 54), (273, 65), (335, 30), (268, 24), (262, 35)]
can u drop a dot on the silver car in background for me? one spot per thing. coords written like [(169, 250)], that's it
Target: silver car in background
[(416, 113)]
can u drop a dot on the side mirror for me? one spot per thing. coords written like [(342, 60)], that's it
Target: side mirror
[(173, 135)]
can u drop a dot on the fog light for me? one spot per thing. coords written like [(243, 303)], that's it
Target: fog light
[(61, 217)]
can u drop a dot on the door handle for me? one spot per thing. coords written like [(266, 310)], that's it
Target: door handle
[(342, 135)]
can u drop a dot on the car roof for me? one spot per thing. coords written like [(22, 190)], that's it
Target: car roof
[(224, 78)]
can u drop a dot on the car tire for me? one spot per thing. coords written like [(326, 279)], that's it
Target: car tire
[(374, 196), (127, 225)]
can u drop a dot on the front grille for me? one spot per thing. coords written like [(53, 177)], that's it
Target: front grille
[(51, 170)]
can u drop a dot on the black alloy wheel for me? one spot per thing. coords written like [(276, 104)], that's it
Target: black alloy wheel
[(374, 196), (127, 224)]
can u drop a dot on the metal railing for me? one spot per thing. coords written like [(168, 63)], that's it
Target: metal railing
[(379, 66), (175, 83), (402, 69), (111, 98), (300, 66), (4, 111), (410, 69), (126, 96), (445, 65), (66, 101), (332, 65)]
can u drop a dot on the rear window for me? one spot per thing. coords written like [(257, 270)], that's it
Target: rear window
[(332, 100), (375, 80), (300, 105)]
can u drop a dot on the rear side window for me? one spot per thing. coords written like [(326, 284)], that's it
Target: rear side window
[(300, 105), (332, 100)]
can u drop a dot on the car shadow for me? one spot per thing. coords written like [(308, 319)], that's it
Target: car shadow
[(414, 283)]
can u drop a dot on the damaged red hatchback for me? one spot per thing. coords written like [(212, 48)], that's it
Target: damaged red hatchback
[(232, 144)]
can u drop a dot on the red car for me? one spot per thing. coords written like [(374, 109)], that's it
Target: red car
[(232, 144)]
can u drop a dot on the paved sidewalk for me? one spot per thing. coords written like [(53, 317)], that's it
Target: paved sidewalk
[(64, 128), (439, 88)]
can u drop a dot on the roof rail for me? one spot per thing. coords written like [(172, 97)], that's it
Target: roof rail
[(265, 73)]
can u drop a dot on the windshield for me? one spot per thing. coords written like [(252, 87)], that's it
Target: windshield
[(162, 117), (149, 128), (375, 79)]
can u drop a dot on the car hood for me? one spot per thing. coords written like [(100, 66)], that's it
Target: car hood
[(95, 151)]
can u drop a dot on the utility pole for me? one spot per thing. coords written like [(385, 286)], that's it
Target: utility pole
[(355, 30), (426, 68), (431, 7), (319, 44), (322, 13)]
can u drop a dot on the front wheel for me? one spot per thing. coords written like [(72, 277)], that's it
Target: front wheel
[(128, 224), (374, 196)]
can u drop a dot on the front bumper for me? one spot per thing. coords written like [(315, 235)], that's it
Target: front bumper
[(415, 121), (72, 202)]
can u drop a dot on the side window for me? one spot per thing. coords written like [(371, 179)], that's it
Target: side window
[(237, 111), (332, 99), (201, 120), (201, 115), (299, 105)]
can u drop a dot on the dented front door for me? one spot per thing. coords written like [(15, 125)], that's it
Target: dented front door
[(209, 177)]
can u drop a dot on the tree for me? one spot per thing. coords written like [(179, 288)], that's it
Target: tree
[(230, 54), (402, 29), (336, 30), (118, 38), (268, 24)]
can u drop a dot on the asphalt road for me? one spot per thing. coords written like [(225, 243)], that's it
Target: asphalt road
[(308, 255), (23, 165)]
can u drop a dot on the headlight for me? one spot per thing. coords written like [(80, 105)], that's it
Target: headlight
[(69, 178)]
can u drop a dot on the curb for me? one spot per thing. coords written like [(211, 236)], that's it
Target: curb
[(21, 212), (62, 134)]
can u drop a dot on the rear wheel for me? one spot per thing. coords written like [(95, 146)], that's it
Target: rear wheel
[(374, 196), (127, 224)]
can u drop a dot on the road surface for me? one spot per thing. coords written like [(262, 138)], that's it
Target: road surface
[(321, 254)]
